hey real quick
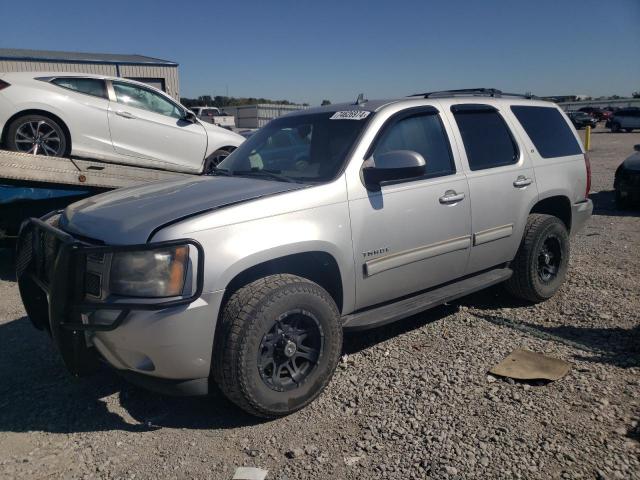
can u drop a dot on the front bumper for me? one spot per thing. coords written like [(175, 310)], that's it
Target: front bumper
[(580, 214), (164, 338)]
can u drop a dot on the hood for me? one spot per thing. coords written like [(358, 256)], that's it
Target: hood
[(633, 162), (130, 215), (219, 133)]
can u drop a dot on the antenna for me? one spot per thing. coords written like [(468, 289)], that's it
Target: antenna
[(360, 100)]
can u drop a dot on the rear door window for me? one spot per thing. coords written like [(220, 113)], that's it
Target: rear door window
[(486, 137), (548, 131), (89, 86)]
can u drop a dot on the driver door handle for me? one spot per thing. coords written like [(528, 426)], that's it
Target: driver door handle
[(450, 196), (124, 114), (522, 181)]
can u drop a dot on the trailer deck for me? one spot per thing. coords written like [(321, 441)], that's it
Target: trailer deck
[(37, 170), (88, 177)]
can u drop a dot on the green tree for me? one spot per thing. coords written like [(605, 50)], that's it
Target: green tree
[(325, 102), (636, 94)]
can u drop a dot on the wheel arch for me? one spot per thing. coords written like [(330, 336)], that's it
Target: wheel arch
[(36, 111), (315, 265), (556, 205)]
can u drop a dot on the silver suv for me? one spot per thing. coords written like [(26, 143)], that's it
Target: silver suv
[(341, 217), (626, 119)]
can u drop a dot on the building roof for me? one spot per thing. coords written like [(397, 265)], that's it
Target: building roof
[(80, 57)]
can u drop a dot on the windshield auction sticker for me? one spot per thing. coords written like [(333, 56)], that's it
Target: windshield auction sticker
[(350, 115)]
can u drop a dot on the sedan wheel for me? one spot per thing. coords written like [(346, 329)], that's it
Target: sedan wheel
[(37, 135), (213, 160)]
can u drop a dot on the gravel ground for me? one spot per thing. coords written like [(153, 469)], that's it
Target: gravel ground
[(412, 400)]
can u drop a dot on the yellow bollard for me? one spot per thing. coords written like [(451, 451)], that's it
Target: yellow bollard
[(587, 138)]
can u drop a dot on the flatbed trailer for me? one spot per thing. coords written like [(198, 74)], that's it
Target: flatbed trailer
[(37, 170), (88, 177)]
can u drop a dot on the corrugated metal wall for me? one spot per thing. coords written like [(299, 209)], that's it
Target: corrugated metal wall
[(257, 116), (27, 66), (168, 73)]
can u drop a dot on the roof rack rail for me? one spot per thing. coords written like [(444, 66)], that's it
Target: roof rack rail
[(480, 92)]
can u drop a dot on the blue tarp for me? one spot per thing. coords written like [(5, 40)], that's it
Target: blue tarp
[(10, 194)]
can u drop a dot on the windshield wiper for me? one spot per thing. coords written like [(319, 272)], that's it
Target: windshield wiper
[(265, 173)]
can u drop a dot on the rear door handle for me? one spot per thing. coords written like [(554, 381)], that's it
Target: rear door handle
[(450, 196), (522, 181), (125, 114)]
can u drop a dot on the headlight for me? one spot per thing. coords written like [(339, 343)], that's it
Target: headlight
[(149, 273)]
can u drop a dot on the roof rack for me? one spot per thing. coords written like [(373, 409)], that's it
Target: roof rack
[(480, 92)]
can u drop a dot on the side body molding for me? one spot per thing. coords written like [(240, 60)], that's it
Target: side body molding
[(492, 234), (381, 264)]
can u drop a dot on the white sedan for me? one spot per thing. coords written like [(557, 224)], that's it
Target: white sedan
[(110, 119)]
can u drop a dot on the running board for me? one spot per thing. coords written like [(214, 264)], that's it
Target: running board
[(377, 316)]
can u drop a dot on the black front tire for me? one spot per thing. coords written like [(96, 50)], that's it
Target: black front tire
[(249, 317), (544, 236), (622, 203), (214, 159), (615, 127), (628, 130)]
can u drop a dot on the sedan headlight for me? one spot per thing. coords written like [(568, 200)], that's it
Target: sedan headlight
[(149, 273)]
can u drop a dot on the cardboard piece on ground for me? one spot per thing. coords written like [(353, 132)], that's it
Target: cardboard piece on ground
[(526, 365), (250, 473)]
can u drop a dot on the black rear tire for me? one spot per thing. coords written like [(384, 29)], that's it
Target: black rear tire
[(628, 130), (38, 134), (251, 353), (541, 263), (615, 127)]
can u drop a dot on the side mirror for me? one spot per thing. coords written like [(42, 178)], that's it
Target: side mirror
[(189, 116), (393, 165), (636, 147)]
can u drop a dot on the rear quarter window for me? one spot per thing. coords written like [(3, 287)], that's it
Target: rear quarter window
[(548, 131)]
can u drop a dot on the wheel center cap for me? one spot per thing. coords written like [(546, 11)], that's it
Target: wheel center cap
[(290, 349)]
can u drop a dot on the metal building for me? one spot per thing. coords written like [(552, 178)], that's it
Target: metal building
[(162, 74), (257, 116)]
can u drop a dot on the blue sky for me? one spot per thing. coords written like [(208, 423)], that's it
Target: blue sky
[(306, 51)]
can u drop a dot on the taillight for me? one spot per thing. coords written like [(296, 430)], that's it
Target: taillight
[(587, 164), (4, 84)]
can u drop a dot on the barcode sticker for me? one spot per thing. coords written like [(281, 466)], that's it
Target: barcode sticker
[(350, 115)]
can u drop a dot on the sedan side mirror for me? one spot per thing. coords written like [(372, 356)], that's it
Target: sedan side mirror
[(393, 165), (637, 147), (189, 116)]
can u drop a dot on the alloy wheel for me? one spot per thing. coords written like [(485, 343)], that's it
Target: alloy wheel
[(290, 351), (549, 259), (39, 138)]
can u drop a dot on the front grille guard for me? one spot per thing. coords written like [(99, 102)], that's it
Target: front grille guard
[(56, 263)]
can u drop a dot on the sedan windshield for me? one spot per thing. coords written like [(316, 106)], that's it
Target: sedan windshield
[(303, 148)]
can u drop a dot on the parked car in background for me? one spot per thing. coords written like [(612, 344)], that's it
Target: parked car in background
[(595, 112), (626, 119), (106, 118), (581, 119), (607, 113), (626, 183), (341, 217), (215, 116)]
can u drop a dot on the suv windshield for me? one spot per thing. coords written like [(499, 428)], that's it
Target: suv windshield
[(305, 148)]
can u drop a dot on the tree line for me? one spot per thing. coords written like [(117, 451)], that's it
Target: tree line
[(222, 101)]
